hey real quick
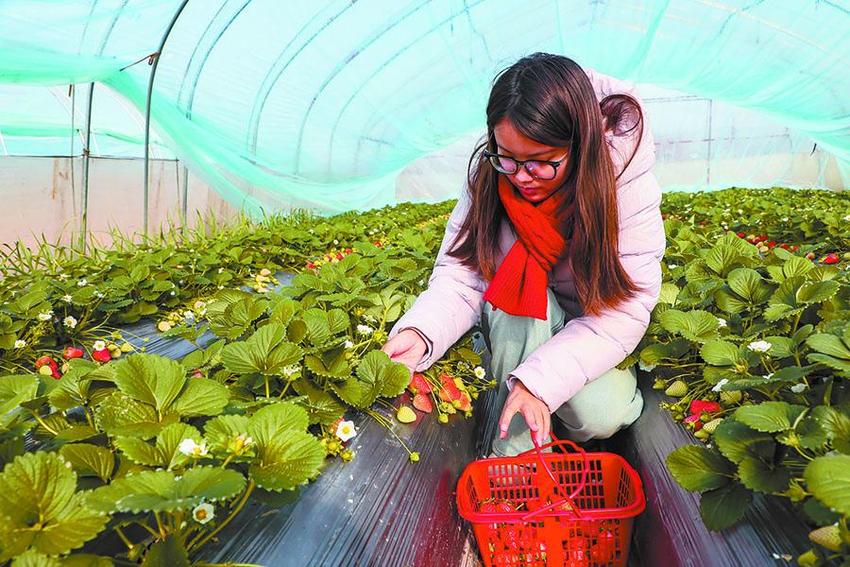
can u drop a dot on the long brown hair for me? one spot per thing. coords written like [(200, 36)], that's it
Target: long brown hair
[(551, 100)]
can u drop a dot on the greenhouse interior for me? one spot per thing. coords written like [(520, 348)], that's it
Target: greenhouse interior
[(425, 283)]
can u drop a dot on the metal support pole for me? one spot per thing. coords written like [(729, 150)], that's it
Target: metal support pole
[(156, 57), (185, 194), (85, 198)]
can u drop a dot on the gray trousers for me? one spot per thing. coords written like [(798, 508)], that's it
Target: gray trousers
[(600, 409)]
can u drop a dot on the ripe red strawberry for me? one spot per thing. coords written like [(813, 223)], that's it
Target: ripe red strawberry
[(448, 389), (831, 258), (784, 245), (348, 250), (45, 361), (464, 403), (422, 402), (311, 266), (771, 244), (698, 407), (418, 384), (102, 355), (794, 248), (72, 352), (741, 234), (339, 256)]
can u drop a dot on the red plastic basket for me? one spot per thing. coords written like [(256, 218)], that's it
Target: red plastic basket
[(571, 509)]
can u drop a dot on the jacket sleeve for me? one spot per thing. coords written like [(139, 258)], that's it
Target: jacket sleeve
[(452, 303), (590, 345)]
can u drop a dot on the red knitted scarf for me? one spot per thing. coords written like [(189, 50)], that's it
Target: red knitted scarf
[(519, 286)]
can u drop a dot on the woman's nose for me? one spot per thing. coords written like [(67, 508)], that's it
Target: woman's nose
[(523, 176)]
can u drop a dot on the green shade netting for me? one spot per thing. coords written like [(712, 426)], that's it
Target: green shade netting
[(322, 104)]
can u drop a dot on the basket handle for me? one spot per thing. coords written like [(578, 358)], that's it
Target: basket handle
[(568, 499)]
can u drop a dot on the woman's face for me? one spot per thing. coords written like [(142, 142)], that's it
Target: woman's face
[(510, 142)]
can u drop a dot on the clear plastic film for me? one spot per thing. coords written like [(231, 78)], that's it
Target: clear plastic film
[(323, 105)]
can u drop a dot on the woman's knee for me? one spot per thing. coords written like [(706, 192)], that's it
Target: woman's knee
[(603, 407)]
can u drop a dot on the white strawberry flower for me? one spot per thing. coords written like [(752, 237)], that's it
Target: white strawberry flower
[(99, 294), (479, 372), (759, 346), (188, 316), (345, 430), (348, 344), (67, 298), (797, 388), (646, 367), (847, 218), (721, 322), (719, 385), (191, 449), (672, 266), (20, 343), (364, 329), (99, 345), (203, 513), (69, 322), (768, 376), (45, 315), (290, 370), (82, 282)]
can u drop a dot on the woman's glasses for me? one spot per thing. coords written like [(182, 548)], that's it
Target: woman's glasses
[(543, 170)]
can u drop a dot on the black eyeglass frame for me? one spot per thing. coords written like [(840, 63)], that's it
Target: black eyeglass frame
[(521, 163)]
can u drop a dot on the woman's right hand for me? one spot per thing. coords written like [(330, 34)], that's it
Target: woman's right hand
[(407, 347)]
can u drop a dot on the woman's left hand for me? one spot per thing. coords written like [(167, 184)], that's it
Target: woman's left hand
[(535, 412)]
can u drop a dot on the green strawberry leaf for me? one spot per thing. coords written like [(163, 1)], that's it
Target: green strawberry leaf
[(291, 459), (121, 415), (152, 379), (699, 469), (698, 326), (748, 284), (169, 552), (759, 476), (722, 507), (274, 420), (264, 352), (321, 406), (332, 364), (89, 460), (769, 417), (201, 396), (150, 491), (41, 509), (828, 479), (15, 390), (830, 345), (720, 353), (817, 292)]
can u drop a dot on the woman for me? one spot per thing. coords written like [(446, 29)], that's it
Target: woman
[(556, 248)]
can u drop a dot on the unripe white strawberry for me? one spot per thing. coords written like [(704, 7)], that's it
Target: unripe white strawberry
[(677, 389)]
